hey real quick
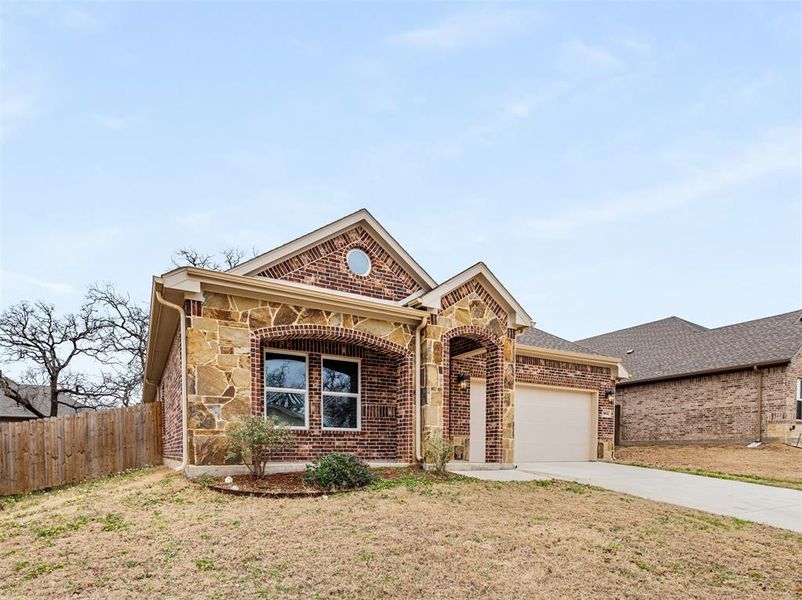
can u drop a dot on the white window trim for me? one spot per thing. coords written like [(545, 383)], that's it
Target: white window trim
[(798, 399), (363, 251), (358, 394), (267, 388)]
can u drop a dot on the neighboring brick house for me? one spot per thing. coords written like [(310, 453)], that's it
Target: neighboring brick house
[(341, 335), (689, 383)]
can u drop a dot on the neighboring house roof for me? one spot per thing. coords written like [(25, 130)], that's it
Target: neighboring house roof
[(361, 217), (674, 347), (40, 399), (541, 339)]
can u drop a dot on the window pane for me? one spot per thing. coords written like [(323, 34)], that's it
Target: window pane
[(358, 262), (339, 412), (285, 371), (340, 376), (289, 409), (799, 410)]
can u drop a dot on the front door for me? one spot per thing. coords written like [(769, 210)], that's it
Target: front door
[(476, 447)]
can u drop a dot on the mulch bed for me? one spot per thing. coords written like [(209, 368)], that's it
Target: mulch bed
[(274, 485), (288, 485)]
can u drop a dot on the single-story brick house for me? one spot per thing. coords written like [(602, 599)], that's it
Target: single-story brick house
[(344, 337), (688, 383)]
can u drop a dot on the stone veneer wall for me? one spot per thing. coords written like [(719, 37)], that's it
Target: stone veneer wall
[(542, 371), (171, 397), (714, 407), (324, 266), (226, 332)]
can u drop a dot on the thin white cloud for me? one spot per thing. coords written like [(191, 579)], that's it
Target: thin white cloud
[(471, 28), (777, 153), (112, 122), (12, 280), (592, 55), (79, 19), (510, 114), (14, 110)]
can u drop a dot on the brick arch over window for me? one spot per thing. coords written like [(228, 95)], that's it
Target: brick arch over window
[(404, 410), (494, 395)]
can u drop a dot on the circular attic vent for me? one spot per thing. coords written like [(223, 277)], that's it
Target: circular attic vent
[(358, 262)]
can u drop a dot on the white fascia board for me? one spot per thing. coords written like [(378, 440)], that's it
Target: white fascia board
[(181, 280), (520, 318), (263, 261)]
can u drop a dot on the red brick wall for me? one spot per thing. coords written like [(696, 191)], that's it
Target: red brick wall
[(385, 405), (460, 399), (715, 407), (170, 395), (529, 369), (324, 266)]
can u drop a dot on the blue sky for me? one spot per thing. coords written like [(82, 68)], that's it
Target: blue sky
[(611, 163)]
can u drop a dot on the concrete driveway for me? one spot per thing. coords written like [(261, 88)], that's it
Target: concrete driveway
[(774, 506)]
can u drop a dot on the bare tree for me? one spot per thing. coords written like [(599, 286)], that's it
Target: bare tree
[(189, 256), (122, 345), (232, 257), (35, 335), (228, 258)]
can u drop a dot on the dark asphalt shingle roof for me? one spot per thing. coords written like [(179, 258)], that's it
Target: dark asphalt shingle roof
[(673, 347), (537, 337)]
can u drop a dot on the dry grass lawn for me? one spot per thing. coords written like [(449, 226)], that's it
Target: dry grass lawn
[(152, 532), (773, 464)]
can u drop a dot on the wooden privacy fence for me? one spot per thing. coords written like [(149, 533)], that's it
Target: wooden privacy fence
[(44, 453)]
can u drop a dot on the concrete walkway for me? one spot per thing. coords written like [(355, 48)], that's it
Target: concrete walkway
[(774, 506)]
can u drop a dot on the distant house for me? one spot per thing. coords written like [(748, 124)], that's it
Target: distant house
[(10, 411), (689, 383)]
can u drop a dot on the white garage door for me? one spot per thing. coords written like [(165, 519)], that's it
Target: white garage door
[(553, 425)]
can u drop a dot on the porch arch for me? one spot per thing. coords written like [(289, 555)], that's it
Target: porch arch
[(494, 375), (327, 333)]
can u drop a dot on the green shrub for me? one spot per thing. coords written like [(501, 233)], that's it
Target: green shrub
[(254, 440), (339, 471), (438, 451)]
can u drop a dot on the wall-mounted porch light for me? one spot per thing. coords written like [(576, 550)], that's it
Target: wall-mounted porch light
[(463, 380)]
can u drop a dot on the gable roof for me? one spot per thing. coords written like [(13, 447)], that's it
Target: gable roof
[(40, 399), (518, 317), (674, 347), (532, 336), (361, 217)]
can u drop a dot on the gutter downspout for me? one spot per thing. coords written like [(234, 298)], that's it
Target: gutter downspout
[(418, 416), (183, 333), (759, 437)]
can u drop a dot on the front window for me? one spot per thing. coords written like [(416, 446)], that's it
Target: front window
[(286, 389), (341, 406), (799, 399)]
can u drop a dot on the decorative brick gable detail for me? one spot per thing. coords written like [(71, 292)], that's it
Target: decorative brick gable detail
[(472, 287), (170, 395), (324, 266)]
